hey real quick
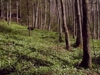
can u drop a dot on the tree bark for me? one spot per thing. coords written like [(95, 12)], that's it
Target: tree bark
[(7, 12), (86, 61), (33, 15), (37, 13), (2, 9), (98, 26), (59, 21), (20, 11), (45, 22), (49, 25), (65, 24), (28, 18), (94, 19), (78, 42), (17, 5)]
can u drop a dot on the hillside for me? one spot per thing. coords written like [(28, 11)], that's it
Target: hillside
[(40, 53)]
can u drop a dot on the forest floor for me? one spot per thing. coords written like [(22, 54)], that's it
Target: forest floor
[(41, 53)]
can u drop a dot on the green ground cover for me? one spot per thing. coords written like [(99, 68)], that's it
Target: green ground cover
[(40, 53)]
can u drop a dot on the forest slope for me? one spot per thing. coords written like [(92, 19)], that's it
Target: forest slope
[(39, 54)]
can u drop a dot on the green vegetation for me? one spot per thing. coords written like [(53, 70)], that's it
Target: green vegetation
[(40, 53)]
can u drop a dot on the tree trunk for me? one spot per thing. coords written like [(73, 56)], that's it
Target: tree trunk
[(45, 22), (7, 12), (59, 21), (49, 25), (98, 27), (20, 11), (94, 19), (65, 24), (37, 13), (41, 18), (33, 15), (79, 24), (28, 17), (74, 25), (17, 5), (2, 9), (86, 61)]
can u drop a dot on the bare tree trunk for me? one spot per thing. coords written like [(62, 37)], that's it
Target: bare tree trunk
[(45, 22), (74, 25), (17, 5), (20, 11), (86, 61), (2, 9), (98, 25), (7, 12), (41, 8), (33, 15), (59, 21), (28, 17), (65, 24), (94, 16), (39, 16), (79, 24), (49, 25), (37, 13)]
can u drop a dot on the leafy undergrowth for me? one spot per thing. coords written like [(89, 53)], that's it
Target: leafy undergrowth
[(40, 53)]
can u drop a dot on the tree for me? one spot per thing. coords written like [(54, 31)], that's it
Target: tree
[(28, 17), (79, 24), (49, 25), (98, 27), (94, 18), (45, 22), (59, 21), (86, 61), (37, 14), (65, 24), (2, 9), (9, 10), (17, 7)]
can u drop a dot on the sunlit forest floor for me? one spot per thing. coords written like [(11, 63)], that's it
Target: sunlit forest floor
[(41, 53)]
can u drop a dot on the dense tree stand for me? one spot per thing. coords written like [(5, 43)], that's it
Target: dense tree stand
[(86, 61)]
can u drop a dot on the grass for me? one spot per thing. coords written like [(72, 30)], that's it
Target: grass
[(40, 53)]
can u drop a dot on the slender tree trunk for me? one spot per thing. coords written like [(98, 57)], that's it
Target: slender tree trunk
[(49, 25), (94, 16), (59, 21), (7, 12), (33, 15), (41, 8), (65, 24), (2, 9), (45, 22), (74, 25), (79, 25), (28, 17), (37, 13), (98, 25), (20, 11), (86, 61), (39, 16), (17, 5)]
